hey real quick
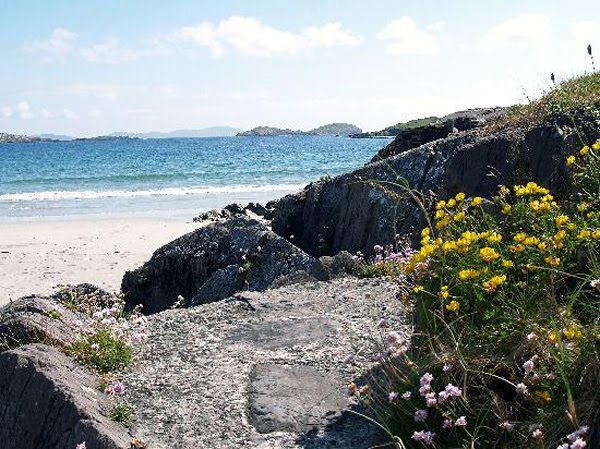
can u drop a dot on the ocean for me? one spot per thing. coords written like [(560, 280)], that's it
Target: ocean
[(166, 178)]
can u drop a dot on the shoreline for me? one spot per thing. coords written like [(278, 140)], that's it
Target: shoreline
[(36, 256)]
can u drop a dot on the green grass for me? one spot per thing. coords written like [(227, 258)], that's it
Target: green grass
[(113, 354), (579, 93), (122, 414), (411, 124)]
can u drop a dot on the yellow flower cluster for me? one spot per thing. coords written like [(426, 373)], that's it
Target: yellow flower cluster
[(494, 282), (488, 254), (530, 189), (585, 151)]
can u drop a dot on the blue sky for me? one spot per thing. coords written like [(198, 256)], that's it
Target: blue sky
[(94, 67)]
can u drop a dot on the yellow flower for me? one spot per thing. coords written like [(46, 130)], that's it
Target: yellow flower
[(425, 232), (582, 206), (584, 150), (543, 395), (488, 254), (561, 221), (440, 205), (453, 306), (552, 261), (573, 332), (460, 196), (459, 216), (560, 236), (451, 203), (570, 161), (519, 237), (596, 234), (506, 209), (596, 145), (464, 275), (516, 248), (477, 201), (494, 238), (440, 214), (531, 241), (492, 284), (508, 263), (584, 234), (443, 293), (542, 246), (504, 191), (418, 289)]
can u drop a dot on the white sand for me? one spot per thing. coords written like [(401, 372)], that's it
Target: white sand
[(37, 256)]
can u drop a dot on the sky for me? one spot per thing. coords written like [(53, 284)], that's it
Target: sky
[(91, 67)]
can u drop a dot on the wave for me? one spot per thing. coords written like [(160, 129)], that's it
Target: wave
[(179, 191)]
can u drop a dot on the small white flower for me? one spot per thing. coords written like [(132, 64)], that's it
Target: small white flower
[(522, 388), (461, 422), (447, 367), (508, 426), (81, 446), (537, 434), (532, 336), (407, 395), (595, 284)]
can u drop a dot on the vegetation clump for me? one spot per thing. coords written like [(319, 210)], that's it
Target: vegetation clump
[(506, 297)]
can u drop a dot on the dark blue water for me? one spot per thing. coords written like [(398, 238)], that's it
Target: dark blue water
[(165, 177)]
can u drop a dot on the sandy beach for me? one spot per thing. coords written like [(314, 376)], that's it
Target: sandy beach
[(37, 256)]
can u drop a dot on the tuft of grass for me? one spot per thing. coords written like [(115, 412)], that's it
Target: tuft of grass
[(579, 93), (122, 414), (54, 314), (103, 352)]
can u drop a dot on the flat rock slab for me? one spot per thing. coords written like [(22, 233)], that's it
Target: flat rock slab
[(293, 398), (284, 333)]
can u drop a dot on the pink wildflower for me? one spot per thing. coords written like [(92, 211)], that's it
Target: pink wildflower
[(420, 415), (392, 396), (507, 426), (447, 423), (118, 387), (537, 434), (430, 399), (447, 367), (528, 366), (453, 391), (81, 446), (578, 433), (424, 390), (461, 422), (532, 336), (578, 444), (407, 395), (423, 436), (522, 388), (426, 379), (394, 338)]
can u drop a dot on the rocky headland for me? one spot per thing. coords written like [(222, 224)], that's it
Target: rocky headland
[(250, 318), (332, 129)]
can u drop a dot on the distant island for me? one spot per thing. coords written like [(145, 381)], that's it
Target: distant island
[(19, 138), (213, 131), (332, 129)]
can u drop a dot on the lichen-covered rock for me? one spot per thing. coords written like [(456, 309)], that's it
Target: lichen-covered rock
[(351, 212), (36, 319), (211, 263), (47, 401)]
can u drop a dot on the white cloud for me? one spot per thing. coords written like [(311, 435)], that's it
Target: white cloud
[(436, 26), (57, 47), (69, 114), (406, 39), (254, 38), (109, 51), (25, 111), (528, 30), (6, 111)]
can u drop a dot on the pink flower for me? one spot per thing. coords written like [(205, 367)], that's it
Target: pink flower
[(117, 387), (578, 444), (578, 433), (447, 423), (426, 379), (424, 390), (407, 395), (392, 396), (563, 446), (447, 367), (81, 446), (522, 388), (430, 399), (461, 422), (394, 338), (537, 434), (532, 336), (528, 366), (420, 415), (443, 397), (453, 391), (423, 436), (507, 426)]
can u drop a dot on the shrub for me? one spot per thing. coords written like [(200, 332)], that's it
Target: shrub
[(506, 295)]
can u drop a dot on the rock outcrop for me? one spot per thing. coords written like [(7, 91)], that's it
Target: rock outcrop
[(263, 369), (212, 263), (415, 136), (351, 212), (47, 401), (36, 319)]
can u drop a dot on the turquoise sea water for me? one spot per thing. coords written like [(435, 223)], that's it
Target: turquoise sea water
[(175, 178)]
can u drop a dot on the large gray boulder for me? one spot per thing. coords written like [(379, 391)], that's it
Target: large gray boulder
[(47, 401), (351, 212), (36, 319), (211, 263)]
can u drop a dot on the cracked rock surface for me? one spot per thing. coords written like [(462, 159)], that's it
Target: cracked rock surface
[(261, 370)]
